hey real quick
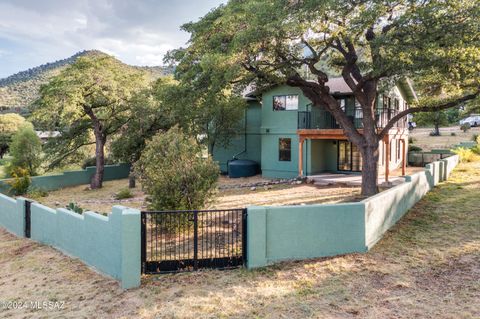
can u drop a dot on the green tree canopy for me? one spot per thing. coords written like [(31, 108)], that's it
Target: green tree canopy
[(9, 124), (88, 102), (174, 174), (25, 149), (370, 43)]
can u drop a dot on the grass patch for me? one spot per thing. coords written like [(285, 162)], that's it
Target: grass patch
[(427, 266)]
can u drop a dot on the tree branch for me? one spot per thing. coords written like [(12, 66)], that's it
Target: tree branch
[(440, 107)]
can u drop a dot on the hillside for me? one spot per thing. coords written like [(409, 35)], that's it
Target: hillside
[(18, 91)]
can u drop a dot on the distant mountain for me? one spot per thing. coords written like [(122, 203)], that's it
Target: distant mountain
[(18, 91)]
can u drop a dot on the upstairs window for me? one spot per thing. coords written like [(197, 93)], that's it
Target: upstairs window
[(387, 102), (285, 149), (396, 103), (285, 102)]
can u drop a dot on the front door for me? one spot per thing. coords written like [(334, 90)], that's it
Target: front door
[(348, 157)]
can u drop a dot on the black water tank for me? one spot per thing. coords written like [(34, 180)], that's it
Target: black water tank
[(242, 168)]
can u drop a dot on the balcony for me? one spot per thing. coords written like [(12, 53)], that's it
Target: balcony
[(318, 118)]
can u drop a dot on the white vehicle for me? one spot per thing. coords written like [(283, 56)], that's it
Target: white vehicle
[(473, 120)]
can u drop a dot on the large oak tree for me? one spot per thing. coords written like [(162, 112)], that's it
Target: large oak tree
[(370, 43), (88, 102)]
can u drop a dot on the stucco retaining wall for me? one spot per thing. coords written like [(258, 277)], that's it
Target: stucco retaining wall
[(12, 216), (73, 178), (109, 244), (302, 232)]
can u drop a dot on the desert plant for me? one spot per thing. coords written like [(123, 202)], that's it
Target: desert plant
[(36, 192), (123, 194), (466, 155), (465, 127), (20, 182), (74, 208), (174, 174)]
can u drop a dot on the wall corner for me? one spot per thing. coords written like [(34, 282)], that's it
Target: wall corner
[(20, 230), (256, 237), (130, 249)]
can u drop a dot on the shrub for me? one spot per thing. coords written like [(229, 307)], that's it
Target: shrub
[(123, 194), (411, 140), (25, 151), (476, 138), (74, 208), (465, 127), (9, 125), (174, 174), (20, 182), (414, 148), (434, 133), (453, 134), (466, 154), (36, 192)]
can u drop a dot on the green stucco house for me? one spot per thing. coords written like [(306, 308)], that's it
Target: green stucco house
[(282, 123)]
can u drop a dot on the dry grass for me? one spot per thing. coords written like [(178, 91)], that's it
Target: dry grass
[(422, 139), (103, 199), (428, 266)]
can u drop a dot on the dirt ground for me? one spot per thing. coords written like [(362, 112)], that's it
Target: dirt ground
[(427, 266), (103, 199), (446, 140)]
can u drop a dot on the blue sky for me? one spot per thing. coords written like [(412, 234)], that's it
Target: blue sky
[(138, 32)]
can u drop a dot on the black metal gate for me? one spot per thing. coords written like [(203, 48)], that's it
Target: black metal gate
[(174, 241)]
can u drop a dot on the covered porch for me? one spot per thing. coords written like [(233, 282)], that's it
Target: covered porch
[(393, 154)]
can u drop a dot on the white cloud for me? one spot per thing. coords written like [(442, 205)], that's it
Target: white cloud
[(137, 32)]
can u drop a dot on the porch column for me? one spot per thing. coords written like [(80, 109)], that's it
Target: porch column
[(300, 156), (387, 157), (404, 156)]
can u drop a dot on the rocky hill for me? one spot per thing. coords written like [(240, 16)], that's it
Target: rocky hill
[(18, 91)]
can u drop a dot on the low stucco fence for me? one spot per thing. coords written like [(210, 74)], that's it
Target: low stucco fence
[(72, 178), (112, 244), (109, 244), (303, 232)]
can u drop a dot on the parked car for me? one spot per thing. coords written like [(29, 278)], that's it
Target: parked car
[(412, 125), (473, 120)]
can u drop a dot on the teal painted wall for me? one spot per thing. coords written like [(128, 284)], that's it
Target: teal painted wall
[(73, 178), (237, 144), (383, 210), (276, 125), (302, 232), (12, 215), (323, 156), (109, 244)]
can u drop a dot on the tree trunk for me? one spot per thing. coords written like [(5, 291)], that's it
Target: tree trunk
[(97, 179), (437, 129), (131, 178), (369, 170)]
